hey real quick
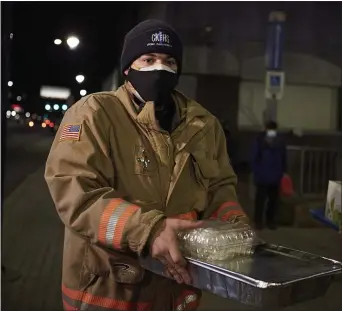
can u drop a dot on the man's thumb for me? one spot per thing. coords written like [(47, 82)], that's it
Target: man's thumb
[(188, 224)]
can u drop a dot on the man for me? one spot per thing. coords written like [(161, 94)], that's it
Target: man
[(268, 166), (127, 171)]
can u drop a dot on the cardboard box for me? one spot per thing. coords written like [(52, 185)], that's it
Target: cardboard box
[(333, 209)]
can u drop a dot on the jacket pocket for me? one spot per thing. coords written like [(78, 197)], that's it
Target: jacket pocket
[(204, 168), (118, 267), (126, 270)]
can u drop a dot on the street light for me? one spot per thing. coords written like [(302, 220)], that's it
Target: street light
[(57, 41), (73, 42), (80, 78), (83, 92), (10, 83)]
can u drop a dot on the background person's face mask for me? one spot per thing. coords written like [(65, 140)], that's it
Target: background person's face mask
[(271, 133), (153, 83)]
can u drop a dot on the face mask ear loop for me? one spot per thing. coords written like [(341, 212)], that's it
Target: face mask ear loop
[(133, 90)]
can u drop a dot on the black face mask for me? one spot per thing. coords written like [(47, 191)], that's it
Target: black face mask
[(153, 85)]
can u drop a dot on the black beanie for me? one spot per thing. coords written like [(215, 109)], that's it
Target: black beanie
[(151, 36)]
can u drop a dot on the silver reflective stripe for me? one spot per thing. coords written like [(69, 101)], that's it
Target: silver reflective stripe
[(113, 222), (84, 306), (187, 299)]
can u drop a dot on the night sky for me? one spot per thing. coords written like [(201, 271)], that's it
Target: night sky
[(36, 60)]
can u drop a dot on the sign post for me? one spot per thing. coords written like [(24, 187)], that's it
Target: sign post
[(275, 76)]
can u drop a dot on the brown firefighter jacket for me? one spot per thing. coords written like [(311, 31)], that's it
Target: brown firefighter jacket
[(114, 175)]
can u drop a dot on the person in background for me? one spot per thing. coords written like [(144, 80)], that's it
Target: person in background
[(268, 163)]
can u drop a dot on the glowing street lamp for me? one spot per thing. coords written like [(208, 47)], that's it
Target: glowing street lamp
[(83, 92), (80, 78), (73, 42), (57, 41)]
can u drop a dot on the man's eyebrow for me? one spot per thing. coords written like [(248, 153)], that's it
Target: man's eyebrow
[(149, 54)]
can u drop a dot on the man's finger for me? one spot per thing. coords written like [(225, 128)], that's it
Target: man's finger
[(180, 264), (176, 255), (171, 267)]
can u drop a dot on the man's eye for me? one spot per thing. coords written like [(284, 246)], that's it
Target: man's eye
[(148, 60), (171, 62)]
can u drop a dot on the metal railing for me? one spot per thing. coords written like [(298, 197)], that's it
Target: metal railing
[(312, 168)]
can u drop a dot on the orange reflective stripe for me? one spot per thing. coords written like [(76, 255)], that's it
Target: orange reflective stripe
[(104, 302), (230, 214), (187, 216), (227, 210), (113, 221), (187, 301)]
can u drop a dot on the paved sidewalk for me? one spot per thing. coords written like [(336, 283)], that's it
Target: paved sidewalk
[(32, 244), (33, 238)]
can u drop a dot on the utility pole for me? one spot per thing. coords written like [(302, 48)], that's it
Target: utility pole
[(7, 274)]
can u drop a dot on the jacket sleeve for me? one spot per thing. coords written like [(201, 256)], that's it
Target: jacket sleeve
[(223, 202), (80, 176)]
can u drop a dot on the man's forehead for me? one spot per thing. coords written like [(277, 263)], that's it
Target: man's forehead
[(158, 55)]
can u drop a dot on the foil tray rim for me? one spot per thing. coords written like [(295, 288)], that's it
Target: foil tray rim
[(263, 284)]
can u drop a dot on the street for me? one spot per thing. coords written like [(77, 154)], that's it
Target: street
[(33, 236), (26, 151)]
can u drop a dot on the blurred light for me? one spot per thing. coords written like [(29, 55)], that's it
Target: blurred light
[(39, 118), (57, 41), (11, 35), (73, 42), (55, 106), (43, 124), (10, 83), (47, 122), (64, 107), (34, 116), (51, 124), (27, 114), (47, 107), (17, 117), (83, 92), (80, 78), (18, 98), (13, 113), (8, 113), (54, 92), (17, 108), (31, 124)]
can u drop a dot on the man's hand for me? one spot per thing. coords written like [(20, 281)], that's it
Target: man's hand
[(165, 248)]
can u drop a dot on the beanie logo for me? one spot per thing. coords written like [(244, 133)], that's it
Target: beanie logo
[(160, 39)]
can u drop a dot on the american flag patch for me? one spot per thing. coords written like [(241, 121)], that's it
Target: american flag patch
[(70, 132)]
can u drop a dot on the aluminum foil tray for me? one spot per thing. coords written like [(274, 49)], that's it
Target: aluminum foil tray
[(273, 277)]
